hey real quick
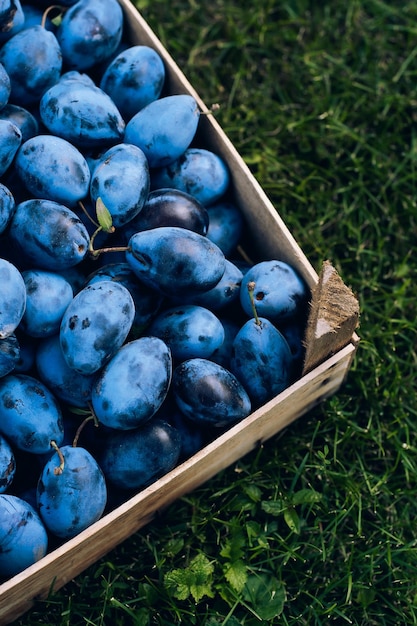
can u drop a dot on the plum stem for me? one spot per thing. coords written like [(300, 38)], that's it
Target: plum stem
[(251, 289), (90, 418), (45, 14), (213, 109), (84, 210), (95, 252), (60, 468)]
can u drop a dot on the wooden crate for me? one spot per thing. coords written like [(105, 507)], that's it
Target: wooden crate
[(271, 239)]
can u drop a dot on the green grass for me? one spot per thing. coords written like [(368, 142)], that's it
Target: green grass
[(318, 526)]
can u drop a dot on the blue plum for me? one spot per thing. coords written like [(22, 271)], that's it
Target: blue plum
[(30, 416), (197, 171), (169, 207), (12, 298), (91, 332), (78, 111), (10, 142), (189, 330), (225, 226), (47, 296), (223, 353), (5, 86), (209, 394), (133, 79), (7, 207), (27, 349), (294, 331), (22, 118), (225, 293), (12, 19), (7, 464), (10, 16), (261, 360), (52, 168), (23, 536), (89, 32), (33, 60), (134, 459), (280, 293), (66, 384), (9, 354), (121, 179), (175, 261), (147, 301), (164, 128), (193, 436), (71, 492), (48, 235), (133, 384)]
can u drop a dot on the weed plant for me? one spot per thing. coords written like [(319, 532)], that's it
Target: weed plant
[(317, 526)]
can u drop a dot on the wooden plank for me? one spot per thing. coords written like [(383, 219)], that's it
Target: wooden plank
[(58, 567), (333, 317)]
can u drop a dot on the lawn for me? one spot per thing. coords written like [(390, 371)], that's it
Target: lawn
[(317, 526)]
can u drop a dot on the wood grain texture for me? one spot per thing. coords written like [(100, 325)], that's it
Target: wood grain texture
[(333, 317)]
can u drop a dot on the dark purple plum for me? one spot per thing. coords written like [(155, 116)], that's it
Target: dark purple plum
[(223, 354), (209, 394), (169, 207), (136, 458), (11, 17)]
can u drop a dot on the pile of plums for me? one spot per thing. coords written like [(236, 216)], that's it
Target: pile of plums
[(134, 327)]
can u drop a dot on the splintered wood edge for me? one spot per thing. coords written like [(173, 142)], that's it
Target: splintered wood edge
[(333, 318)]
